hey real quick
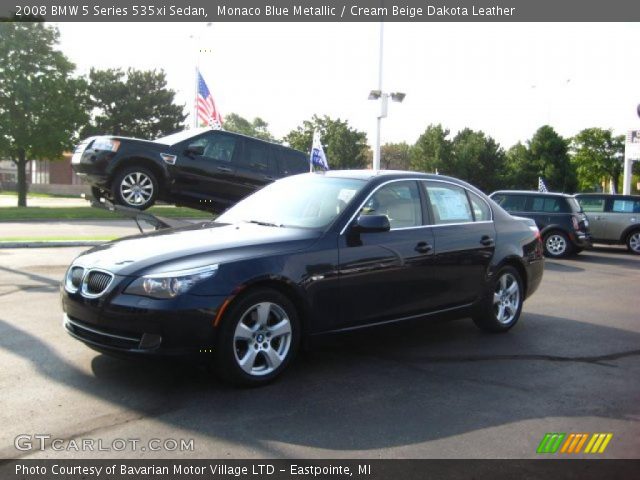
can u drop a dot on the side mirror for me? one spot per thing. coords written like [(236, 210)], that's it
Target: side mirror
[(371, 224), (195, 150)]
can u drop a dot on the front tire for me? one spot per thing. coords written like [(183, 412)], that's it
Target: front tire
[(135, 187), (501, 309), (557, 245), (258, 338), (633, 242)]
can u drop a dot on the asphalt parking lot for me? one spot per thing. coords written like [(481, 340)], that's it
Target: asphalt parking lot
[(442, 390)]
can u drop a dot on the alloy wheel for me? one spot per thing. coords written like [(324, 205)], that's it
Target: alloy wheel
[(136, 188), (634, 242), (506, 298), (262, 338), (556, 244)]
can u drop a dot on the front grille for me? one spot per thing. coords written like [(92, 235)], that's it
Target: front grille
[(97, 282), (76, 277)]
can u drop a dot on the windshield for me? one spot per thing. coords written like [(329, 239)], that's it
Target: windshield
[(304, 201), (180, 136)]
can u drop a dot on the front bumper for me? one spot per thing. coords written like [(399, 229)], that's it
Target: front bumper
[(135, 325)]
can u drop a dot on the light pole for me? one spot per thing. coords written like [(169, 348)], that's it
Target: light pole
[(384, 106), (384, 101)]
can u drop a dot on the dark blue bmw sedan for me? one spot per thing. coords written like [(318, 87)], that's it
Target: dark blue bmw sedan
[(307, 255)]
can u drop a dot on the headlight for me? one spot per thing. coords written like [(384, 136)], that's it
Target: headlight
[(106, 143), (170, 284)]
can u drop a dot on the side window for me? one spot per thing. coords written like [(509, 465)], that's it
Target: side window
[(400, 201), (256, 156), (511, 203), (481, 211), (549, 205), (624, 206), (449, 203), (592, 204), (219, 147), (291, 163)]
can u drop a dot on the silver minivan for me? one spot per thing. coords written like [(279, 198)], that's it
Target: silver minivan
[(613, 219)]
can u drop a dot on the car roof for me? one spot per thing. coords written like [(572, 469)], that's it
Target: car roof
[(532, 192), (608, 195), (367, 174)]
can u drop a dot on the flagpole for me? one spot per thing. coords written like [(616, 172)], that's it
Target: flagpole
[(195, 98)]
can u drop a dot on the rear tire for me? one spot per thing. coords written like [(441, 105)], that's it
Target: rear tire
[(258, 338), (501, 309), (135, 187), (557, 245), (633, 242)]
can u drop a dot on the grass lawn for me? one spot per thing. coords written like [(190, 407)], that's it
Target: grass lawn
[(17, 214), (37, 195)]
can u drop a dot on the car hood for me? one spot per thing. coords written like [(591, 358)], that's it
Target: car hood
[(194, 246)]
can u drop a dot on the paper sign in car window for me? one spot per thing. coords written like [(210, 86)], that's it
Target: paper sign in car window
[(451, 205)]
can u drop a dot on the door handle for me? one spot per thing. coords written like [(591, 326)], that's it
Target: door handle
[(223, 169), (487, 241), (423, 247), (269, 177)]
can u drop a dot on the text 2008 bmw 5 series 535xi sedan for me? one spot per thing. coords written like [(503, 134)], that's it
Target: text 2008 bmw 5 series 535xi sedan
[(307, 255)]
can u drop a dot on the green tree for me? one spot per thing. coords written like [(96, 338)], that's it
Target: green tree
[(432, 150), (257, 128), (550, 153), (41, 104), (520, 171), (344, 146), (134, 103), (597, 155), (395, 156), (477, 159)]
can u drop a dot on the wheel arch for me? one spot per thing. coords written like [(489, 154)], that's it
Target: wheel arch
[(149, 164), (283, 286), (628, 231), (517, 263)]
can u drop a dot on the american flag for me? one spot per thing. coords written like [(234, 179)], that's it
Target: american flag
[(208, 115), (541, 186)]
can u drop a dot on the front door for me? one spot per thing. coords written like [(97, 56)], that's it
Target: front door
[(388, 275)]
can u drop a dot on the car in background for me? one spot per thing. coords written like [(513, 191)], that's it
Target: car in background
[(563, 225), (307, 255), (613, 219), (201, 168)]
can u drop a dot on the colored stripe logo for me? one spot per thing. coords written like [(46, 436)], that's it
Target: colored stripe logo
[(574, 443)]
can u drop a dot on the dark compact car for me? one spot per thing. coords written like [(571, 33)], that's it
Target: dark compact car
[(307, 255), (203, 168), (563, 225), (613, 219)]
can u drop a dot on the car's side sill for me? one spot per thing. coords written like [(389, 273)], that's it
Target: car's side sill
[(396, 320)]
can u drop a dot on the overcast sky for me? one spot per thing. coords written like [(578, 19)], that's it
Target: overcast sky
[(506, 79)]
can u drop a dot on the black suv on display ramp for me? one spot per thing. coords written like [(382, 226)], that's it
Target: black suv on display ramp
[(201, 168), (563, 225)]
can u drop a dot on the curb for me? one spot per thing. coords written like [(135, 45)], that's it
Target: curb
[(45, 244)]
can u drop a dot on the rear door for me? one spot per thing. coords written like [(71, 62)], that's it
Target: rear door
[(255, 167), (464, 235)]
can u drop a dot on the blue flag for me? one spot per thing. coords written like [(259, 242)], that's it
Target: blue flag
[(318, 158)]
